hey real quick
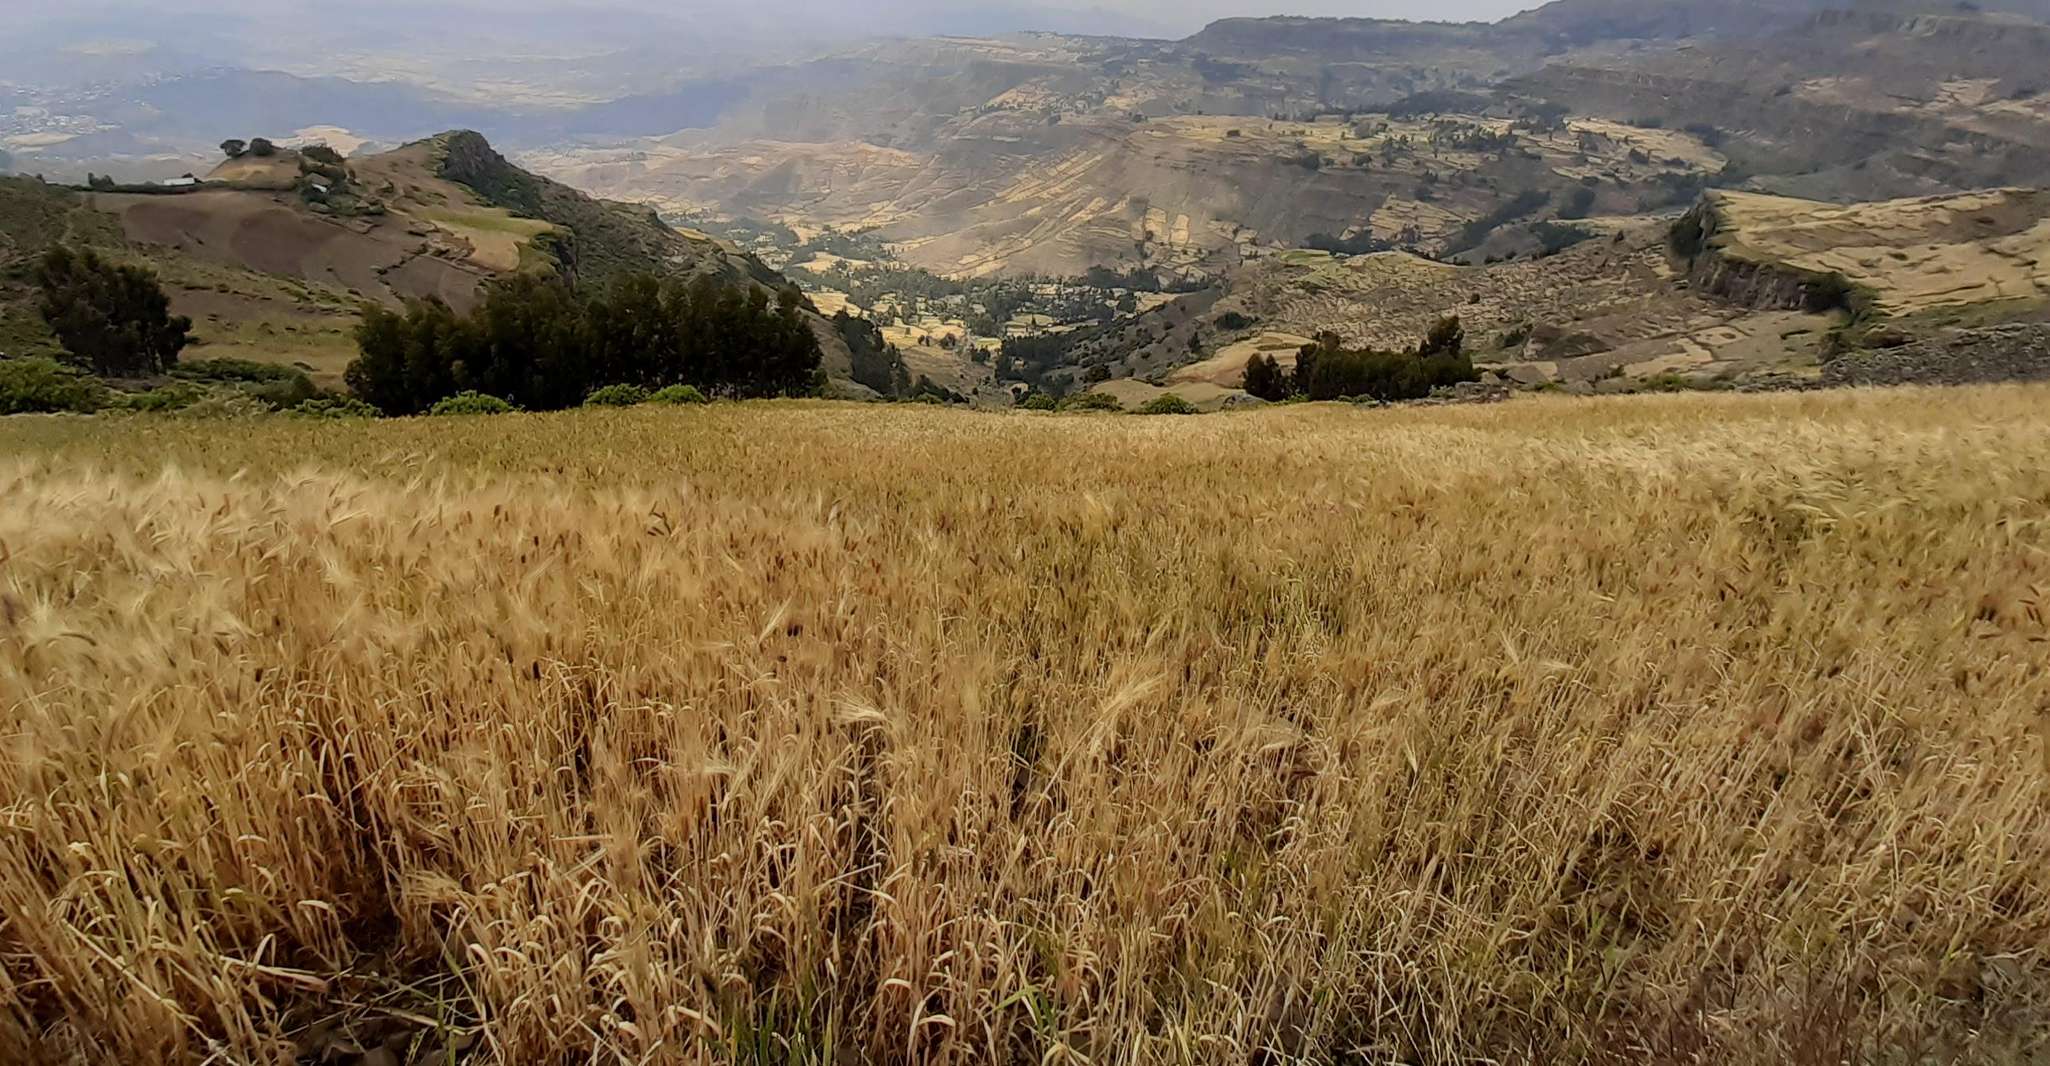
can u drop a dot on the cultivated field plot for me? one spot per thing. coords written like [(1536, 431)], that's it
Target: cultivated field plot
[(1675, 728)]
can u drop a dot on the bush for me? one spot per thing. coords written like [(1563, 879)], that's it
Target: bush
[(617, 396), (470, 403), (31, 386), (678, 395), (1039, 401), (1233, 321), (276, 386), (236, 370), (176, 396), (1091, 401), (1446, 337), (335, 407), (1688, 236), (262, 147), (1169, 404)]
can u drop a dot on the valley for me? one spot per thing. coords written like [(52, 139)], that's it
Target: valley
[(1046, 212)]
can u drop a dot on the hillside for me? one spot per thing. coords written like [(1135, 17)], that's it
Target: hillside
[(271, 268), (1772, 292), (1043, 154)]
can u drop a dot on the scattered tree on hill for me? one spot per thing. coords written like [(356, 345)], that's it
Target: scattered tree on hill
[(1446, 337), (262, 146), (1265, 379), (1688, 236), (321, 153), (877, 363), (1577, 203), (539, 345), (233, 148), (111, 318)]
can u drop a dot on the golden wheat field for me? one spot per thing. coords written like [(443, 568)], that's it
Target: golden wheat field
[(1668, 729)]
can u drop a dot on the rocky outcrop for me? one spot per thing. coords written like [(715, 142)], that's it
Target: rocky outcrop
[(2018, 352), (1713, 270)]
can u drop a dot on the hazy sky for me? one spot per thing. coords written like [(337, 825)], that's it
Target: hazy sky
[(1204, 10), (1180, 16)]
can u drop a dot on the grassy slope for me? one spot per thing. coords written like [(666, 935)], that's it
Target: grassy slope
[(33, 217), (1660, 729)]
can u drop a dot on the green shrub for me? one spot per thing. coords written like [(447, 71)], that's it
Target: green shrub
[(1169, 404), (274, 385), (678, 394), (234, 370), (617, 396), (176, 396), (1090, 401), (30, 386), (335, 407), (471, 403), (1039, 401)]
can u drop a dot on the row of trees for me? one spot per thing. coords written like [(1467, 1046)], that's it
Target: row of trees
[(1327, 370), (543, 346)]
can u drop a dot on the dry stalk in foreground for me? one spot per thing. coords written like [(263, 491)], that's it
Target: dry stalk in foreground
[(1685, 729)]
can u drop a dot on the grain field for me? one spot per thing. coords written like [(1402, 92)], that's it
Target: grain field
[(1674, 729)]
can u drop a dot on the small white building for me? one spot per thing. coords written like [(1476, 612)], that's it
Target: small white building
[(179, 183)]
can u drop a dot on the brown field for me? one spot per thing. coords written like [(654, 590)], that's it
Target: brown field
[(1702, 728), (383, 261)]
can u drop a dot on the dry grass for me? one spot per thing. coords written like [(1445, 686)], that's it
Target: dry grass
[(1673, 728)]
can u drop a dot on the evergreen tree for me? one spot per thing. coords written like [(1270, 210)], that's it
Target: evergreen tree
[(1265, 379), (112, 319)]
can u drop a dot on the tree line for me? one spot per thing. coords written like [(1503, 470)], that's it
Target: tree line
[(537, 343), (1327, 370)]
